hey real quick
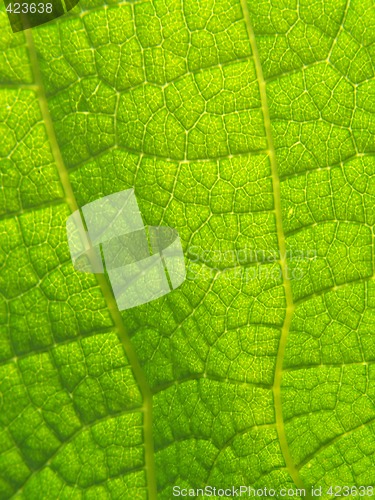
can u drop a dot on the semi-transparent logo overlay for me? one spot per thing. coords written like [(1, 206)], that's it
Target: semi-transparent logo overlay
[(143, 263)]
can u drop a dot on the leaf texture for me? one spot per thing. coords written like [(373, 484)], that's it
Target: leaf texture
[(249, 127)]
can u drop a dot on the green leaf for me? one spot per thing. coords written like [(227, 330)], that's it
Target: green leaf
[(248, 127)]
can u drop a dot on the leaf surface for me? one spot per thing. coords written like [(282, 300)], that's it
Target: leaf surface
[(248, 127)]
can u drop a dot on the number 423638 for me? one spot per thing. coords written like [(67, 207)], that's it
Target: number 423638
[(29, 8)]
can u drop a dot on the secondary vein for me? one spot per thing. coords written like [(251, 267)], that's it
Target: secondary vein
[(280, 426), (106, 289)]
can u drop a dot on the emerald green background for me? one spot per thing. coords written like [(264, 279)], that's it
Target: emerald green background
[(242, 125)]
